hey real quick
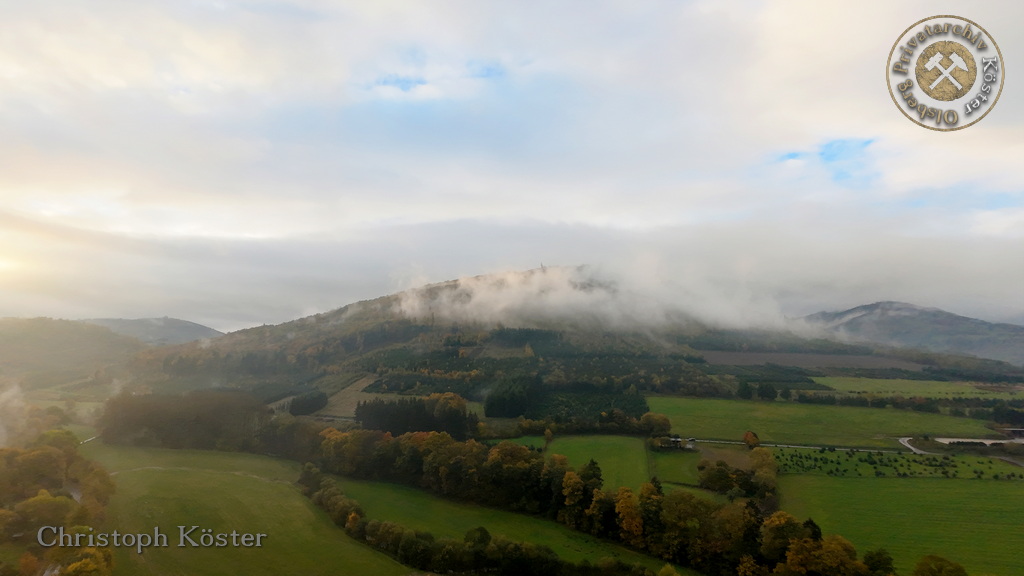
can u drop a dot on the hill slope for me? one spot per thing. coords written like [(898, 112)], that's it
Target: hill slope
[(527, 334), (905, 325)]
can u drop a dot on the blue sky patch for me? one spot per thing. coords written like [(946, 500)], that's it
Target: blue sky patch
[(485, 69), (843, 150), (847, 161), (403, 83)]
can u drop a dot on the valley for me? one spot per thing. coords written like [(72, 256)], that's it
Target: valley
[(669, 414)]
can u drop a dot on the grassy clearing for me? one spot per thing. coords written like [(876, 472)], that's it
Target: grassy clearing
[(675, 467), (226, 492), (973, 522), (911, 388), (623, 459), (421, 511), (342, 404), (793, 423)]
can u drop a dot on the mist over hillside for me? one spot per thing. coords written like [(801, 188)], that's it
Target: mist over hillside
[(589, 298)]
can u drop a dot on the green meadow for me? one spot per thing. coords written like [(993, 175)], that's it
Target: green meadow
[(225, 492), (623, 459), (973, 522), (676, 467), (793, 423)]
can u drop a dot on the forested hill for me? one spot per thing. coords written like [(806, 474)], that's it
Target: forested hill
[(446, 338), (906, 325)]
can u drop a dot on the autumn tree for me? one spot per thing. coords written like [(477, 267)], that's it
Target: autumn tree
[(831, 555), (650, 501), (572, 489), (630, 520), (600, 516), (655, 424), (776, 533), (751, 440)]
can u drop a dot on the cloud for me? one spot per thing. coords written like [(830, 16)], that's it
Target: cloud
[(239, 163)]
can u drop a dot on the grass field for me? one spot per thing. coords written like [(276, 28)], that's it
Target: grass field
[(623, 459), (675, 467), (973, 522), (911, 388), (793, 423), (421, 511), (226, 491)]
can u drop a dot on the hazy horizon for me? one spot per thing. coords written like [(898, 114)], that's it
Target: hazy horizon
[(253, 163)]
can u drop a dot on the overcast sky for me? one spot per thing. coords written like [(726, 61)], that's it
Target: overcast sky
[(240, 163)]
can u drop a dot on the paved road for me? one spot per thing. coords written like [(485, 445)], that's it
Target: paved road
[(906, 442)]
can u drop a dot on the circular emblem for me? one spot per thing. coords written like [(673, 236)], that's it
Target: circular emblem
[(945, 73)]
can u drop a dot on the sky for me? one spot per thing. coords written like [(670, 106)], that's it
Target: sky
[(251, 162)]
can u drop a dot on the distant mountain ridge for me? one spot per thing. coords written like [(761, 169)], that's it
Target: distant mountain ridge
[(909, 326), (157, 331)]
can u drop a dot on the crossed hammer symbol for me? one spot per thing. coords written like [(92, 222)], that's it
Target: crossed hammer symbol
[(958, 62)]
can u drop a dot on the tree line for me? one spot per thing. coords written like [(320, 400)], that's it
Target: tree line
[(48, 483)]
